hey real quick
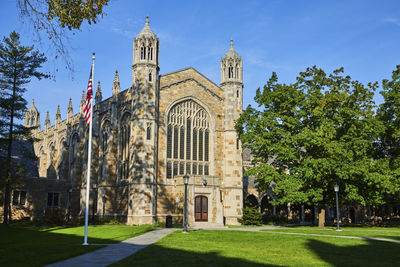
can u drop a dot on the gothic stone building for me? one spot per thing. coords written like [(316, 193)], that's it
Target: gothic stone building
[(145, 139)]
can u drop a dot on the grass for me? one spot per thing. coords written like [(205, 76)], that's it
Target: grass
[(376, 232), (37, 246), (240, 248)]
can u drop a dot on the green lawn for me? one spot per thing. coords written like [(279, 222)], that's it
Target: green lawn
[(239, 248), (36, 246), (376, 232)]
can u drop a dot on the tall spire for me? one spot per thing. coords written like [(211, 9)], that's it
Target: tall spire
[(116, 86)]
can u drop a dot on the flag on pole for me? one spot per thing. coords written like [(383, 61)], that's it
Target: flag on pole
[(87, 110), (87, 113)]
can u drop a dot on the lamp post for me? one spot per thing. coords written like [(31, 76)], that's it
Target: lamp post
[(185, 181), (336, 188), (94, 201)]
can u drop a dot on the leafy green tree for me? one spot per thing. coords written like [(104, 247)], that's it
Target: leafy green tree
[(388, 147), (55, 18), (18, 64), (308, 136)]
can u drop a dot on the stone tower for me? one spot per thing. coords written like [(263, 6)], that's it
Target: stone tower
[(32, 117), (232, 84), (143, 141), (145, 56)]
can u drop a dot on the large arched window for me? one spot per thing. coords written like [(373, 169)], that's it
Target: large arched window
[(125, 133), (188, 140), (105, 134)]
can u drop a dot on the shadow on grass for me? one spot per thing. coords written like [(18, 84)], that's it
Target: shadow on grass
[(374, 253), (162, 256), (236, 248), (33, 246)]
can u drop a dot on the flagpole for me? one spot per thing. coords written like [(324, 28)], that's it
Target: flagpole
[(89, 159)]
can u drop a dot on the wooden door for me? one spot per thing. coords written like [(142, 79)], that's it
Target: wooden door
[(201, 209)]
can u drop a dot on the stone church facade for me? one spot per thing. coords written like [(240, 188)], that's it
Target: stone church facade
[(145, 139)]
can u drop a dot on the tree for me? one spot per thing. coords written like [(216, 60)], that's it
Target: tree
[(308, 136), (18, 64), (54, 18), (388, 147)]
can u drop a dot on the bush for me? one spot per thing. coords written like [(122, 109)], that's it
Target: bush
[(251, 216), (54, 217)]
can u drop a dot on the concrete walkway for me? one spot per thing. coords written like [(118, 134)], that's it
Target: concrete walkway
[(337, 236), (115, 252)]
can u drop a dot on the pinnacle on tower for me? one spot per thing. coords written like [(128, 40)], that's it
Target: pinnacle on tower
[(83, 99), (99, 95), (58, 115), (116, 86), (47, 121), (70, 110), (70, 105), (146, 29), (231, 53)]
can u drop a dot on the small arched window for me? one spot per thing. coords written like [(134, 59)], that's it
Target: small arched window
[(142, 52), (150, 76), (148, 131), (149, 52), (230, 72)]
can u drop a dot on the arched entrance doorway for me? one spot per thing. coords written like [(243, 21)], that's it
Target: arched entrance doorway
[(201, 209), (251, 201)]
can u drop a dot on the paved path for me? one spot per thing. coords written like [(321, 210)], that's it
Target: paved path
[(115, 252), (337, 236)]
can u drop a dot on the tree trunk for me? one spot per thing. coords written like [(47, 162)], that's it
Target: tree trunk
[(7, 199), (321, 217)]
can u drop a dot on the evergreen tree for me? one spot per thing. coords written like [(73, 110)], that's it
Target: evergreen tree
[(308, 136), (18, 64)]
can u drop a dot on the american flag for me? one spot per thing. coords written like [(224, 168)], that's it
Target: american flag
[(88, 103)]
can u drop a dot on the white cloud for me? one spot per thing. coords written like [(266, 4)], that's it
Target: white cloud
[(392, 20)]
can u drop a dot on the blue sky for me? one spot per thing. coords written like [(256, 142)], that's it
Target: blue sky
[(279, 36)]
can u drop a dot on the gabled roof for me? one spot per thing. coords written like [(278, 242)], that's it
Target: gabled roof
[(200, 83)]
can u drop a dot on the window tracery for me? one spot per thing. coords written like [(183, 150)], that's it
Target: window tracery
[(188, 134), (125, 133)]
